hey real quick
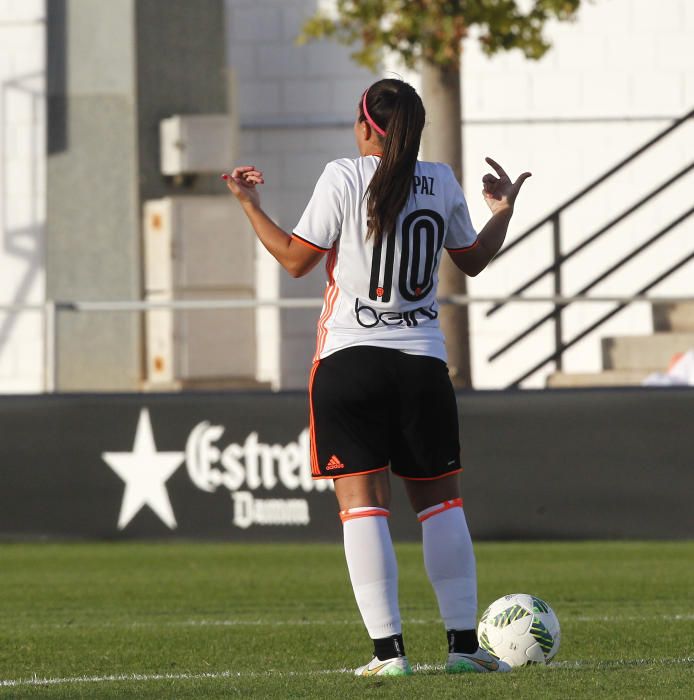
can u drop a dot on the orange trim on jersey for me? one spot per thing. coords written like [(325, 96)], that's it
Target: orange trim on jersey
[(446, 505), (346, 515), (429, 478), (313, 450), (309, 244), (346, 476), (464, 250), (331, 294)]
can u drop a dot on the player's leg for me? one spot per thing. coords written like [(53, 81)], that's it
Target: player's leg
[(449, 560), (364, 509), (428, 460), (350, 444), (363, 489)]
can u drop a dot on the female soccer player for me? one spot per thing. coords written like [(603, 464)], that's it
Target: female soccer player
[(380, 396)]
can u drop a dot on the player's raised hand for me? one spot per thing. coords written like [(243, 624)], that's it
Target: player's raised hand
[(242, 183), (499, 192)]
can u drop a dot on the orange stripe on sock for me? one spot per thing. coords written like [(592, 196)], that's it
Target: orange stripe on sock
[(446, 505), (346, 515)]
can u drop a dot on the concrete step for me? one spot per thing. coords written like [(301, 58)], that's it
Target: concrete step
[(644, 351), (673, 317), (610, 377)]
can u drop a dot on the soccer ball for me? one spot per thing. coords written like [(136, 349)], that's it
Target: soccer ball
[(520, 629)]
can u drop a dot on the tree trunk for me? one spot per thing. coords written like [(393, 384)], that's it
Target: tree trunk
[(442, 141)]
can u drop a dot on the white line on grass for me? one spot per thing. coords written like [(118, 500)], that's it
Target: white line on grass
[(281, 623), (621, 663), (689, 617), (628, 618), (432, 621), (148, 677)]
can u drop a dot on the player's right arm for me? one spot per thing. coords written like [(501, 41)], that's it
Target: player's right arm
[(500, 195), (297, 259)]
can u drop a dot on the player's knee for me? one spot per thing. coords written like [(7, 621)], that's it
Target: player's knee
[(424, 494)]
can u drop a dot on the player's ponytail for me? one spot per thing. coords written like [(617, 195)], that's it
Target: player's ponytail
[(395, 111)]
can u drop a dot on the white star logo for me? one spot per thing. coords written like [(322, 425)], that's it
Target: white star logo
[(144, 471)]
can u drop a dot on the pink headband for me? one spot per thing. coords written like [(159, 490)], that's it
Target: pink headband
[(373, 124)]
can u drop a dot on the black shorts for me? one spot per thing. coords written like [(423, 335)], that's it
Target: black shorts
[(372, 407)]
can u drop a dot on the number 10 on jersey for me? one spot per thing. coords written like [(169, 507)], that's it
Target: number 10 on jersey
[(421, 235)]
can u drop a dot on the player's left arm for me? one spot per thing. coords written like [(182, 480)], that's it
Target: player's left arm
[(295, 257), (500, 195)]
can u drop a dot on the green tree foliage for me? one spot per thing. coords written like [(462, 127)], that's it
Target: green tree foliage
[(433, 29)]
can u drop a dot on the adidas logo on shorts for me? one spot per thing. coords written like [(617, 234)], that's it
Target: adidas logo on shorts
[(334, 463)]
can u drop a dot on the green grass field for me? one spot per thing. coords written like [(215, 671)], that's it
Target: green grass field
[(215, 620)]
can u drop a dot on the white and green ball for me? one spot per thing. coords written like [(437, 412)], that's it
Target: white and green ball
[(520, 629)]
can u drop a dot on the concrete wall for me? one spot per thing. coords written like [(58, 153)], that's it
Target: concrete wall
[(92, 245), (127, 66), (22, 191)]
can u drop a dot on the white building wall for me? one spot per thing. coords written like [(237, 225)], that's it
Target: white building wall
[(612, 80), (22, 192)]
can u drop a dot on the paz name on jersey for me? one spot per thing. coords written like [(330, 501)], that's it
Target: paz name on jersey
[(423, 185)]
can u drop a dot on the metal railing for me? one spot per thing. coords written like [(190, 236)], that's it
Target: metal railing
[(51, 309), (554, 218)]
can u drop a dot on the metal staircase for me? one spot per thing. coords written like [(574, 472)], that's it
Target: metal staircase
[(624, 358)]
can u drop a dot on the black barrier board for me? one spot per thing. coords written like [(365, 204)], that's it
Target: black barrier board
[(579, 464), (553, 464)]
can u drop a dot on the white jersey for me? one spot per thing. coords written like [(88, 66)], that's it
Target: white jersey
[(384, 295)]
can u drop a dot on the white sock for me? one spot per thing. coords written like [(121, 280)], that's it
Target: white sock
[(450, 563), (372, 569)]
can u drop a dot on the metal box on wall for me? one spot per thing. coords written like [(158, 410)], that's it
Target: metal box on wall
[(198, 248), (197, 242), (196, 143)]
